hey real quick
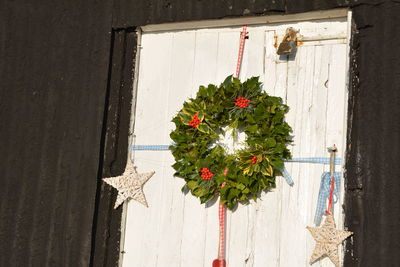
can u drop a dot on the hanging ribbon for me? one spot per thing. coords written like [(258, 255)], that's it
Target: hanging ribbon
[(285, 173), (287, 176), (327, 193), (317, 160), (241, 49), (220, 262)]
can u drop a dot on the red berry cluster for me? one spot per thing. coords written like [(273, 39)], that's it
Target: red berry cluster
[(254, 160), (206, 174), (242, 102), (195, 121)]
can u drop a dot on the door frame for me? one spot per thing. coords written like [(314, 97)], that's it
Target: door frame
[(228, 22)]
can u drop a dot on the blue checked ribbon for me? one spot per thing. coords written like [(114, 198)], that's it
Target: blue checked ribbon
[(287, 176), (324, 189), (317, 160), (323, 195), (285, 173), (151, 148)]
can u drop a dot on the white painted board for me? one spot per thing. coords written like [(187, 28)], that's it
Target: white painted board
[(176, 230)]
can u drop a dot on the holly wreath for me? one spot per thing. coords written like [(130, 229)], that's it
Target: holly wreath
[(206, 166)]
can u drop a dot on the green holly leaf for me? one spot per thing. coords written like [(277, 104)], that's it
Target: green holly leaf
[(185, 118), (278, 164), (202, 91), (211, 89), (228, 81), (200, 114), (252, 128), (204, 128), (192, 185)]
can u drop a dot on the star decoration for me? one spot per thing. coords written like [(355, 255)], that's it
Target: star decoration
[(328, 239), (129, 185)]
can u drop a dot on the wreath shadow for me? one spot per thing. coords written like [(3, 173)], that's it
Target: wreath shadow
[(212, 201)]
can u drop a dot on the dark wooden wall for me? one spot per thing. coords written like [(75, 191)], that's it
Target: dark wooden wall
[(54, 59), (107, 221), (139, 12), (65, 78), (372, 203)]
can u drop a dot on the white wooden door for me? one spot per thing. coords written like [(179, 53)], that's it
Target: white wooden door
[(176, 230)]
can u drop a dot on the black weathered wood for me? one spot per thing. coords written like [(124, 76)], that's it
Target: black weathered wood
[(53, 76), (128, 13), (372, 204), (141, 12), (107, 220)]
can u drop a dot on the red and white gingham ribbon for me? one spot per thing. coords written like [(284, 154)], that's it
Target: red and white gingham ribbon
[(222, 221), (241, 48), (222, 208)]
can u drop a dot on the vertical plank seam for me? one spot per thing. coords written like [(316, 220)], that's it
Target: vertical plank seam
[(101, 152), (135, 80)]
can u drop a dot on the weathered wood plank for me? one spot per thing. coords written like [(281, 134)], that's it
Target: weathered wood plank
[(142, 231), (176, 229), (337, 121), (194, 233), (180, 87), (241, 224), (53, 73), (107, 220)]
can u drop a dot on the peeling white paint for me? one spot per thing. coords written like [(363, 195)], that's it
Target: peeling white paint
[(176, 230)]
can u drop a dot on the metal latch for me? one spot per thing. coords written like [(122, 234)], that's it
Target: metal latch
[(289, 43)]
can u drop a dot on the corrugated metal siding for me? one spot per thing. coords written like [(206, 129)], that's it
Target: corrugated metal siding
[(53, 72)]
